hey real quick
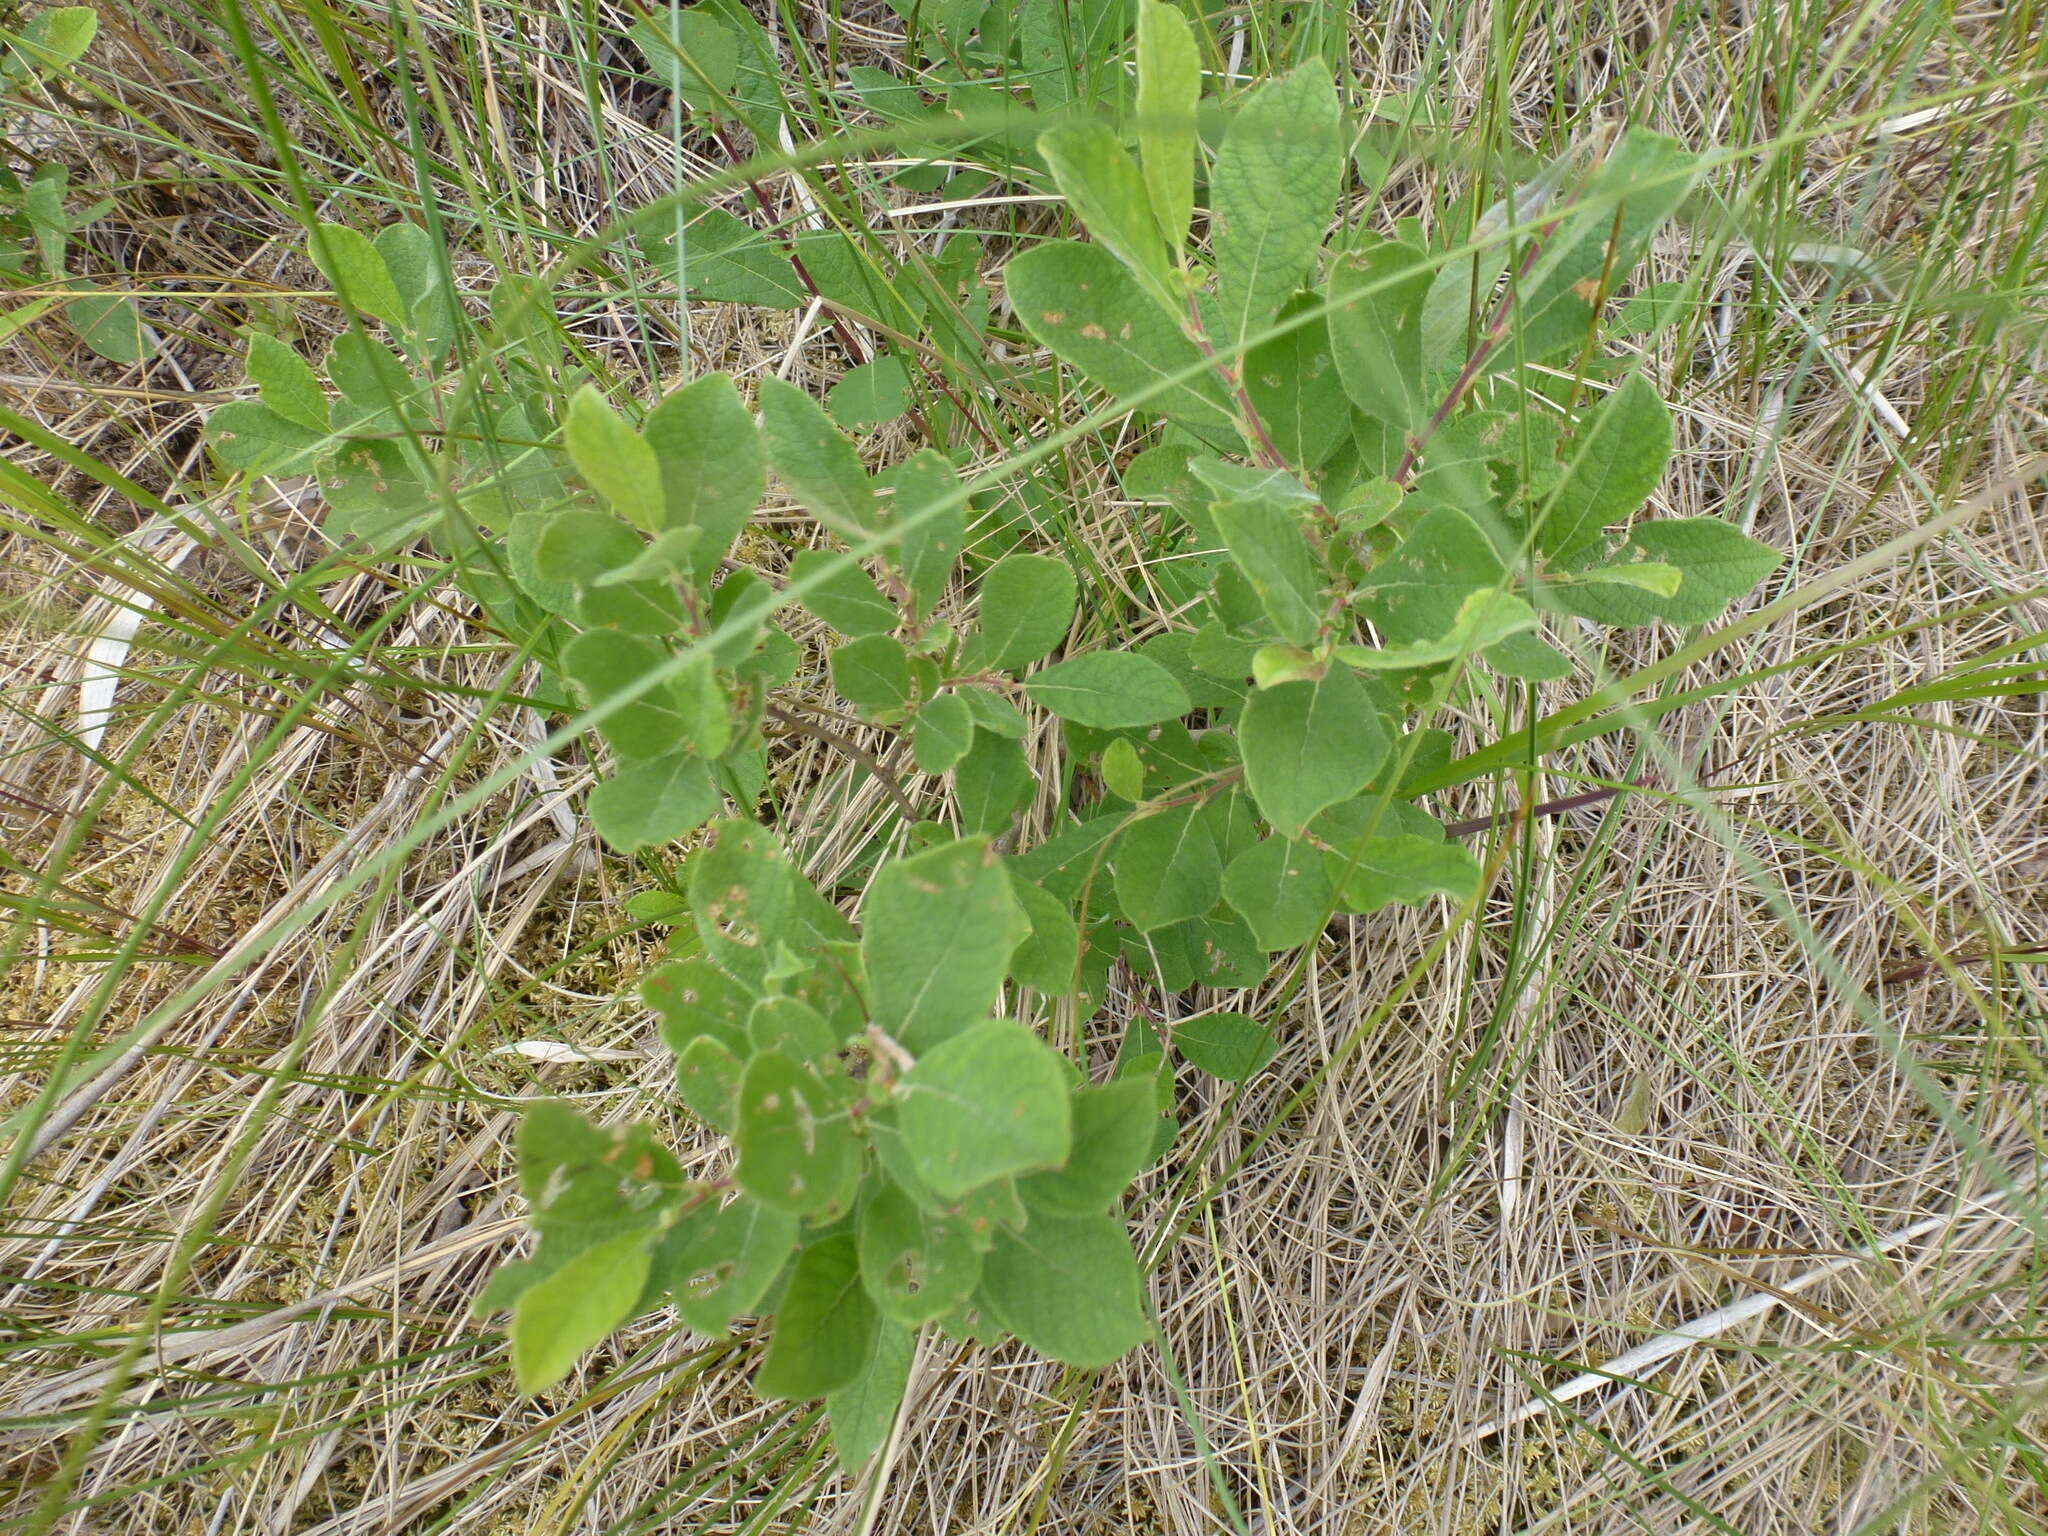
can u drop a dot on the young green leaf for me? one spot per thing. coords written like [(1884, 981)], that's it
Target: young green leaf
[(1376, 293), (1527, 656), (1025, 604), (613, 460), (1098, 178), (693, 997), (1169, 866), (1417, 592), (1223, 951), (1642, 181), (795, 1028), (984, 1211), (848, 276), (707, 1078), (1401, 867), (743, 895), (1653, 308), (1169, 89), (57, 38), (577, 550), (995, 715), (1485, 618), (727, 1263), (250, 436), (373, 380), (1113, 1133), (286, 383), (988, 1103), (1280, 889), (1123, 771), (357, 273), (417, 274), (713, 465), (1309, 745), (870, 393), (603, 663), (1077, 301), (375, 494), (797, 1152), (825, 1328), (692, 52), (585, 1185), (931, 526), (1718, 563), (815, 462), (916, 1264), (1071, 50), (991, 784), (937, 930), (702, 701), (1293, 384), (1647, 576), (728, 261), (1616, 461), (654, 800), (1109, 690), (1046, 959), (1068, 1286), (1229, 1046), (1273, 188), (863, 1412), (558, 1318), (943, 733), (1265, 540), (671, 556), (872, 674)]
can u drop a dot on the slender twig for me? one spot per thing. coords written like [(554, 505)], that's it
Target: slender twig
[(1496, 332), (1543, 808), (1233, 380), (1921, 968), (852, 748)]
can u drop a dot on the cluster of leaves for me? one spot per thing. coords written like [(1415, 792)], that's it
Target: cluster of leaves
[(1373, 486), (36, 226)]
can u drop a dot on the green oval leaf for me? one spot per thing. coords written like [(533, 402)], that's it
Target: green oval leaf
[(1230, 1046), (797, 1151), (1109, 690), (356, 272), (713, 464), (1078, 301), (825, 1328), (612, 459), (990, 1102), (1025, 604), (558, 1318), (1067, 1286), (1308, 745), (937, 931)]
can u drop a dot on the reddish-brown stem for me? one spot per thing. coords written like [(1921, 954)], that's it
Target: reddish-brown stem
[(1268, 455), (1921, 968), (1495, 333), (1543, 808), (852, 749)]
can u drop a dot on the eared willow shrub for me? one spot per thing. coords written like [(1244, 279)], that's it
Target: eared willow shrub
[(1384, 467)]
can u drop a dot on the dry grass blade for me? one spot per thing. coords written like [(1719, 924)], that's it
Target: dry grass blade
[(1628, 1094), (1631, 1368)]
